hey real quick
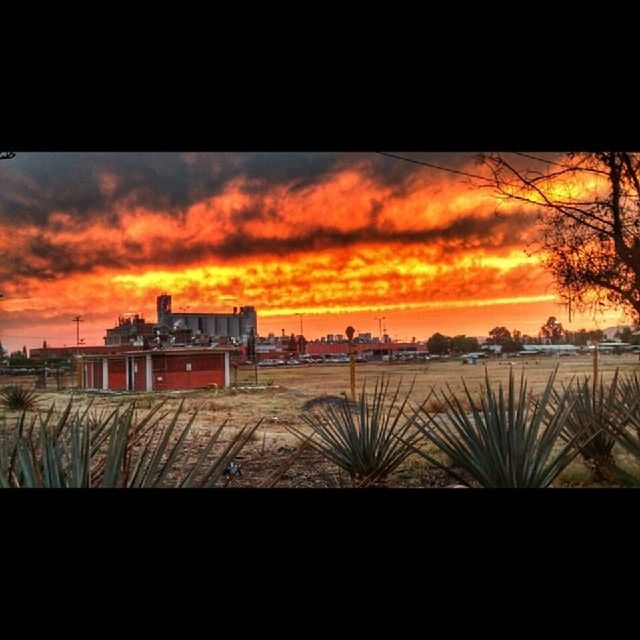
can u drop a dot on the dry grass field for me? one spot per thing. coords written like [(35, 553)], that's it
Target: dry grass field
[(278, 398)]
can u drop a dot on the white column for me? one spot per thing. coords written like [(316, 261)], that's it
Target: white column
[(105, 373), (149, 368), (227, 376)]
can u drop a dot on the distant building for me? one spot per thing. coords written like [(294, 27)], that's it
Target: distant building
[(130, 329), (238, 325), (183, 328), (614, 346), (550, 348), (610, 332), (373, 350)]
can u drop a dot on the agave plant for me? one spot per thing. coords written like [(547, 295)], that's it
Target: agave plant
[(626, 433), (16, 398), (623, 424), (591, 407), (629, 397), (368, 441), (507, 440), (113, 449)]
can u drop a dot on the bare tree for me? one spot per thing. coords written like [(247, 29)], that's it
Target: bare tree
[(589, 209)]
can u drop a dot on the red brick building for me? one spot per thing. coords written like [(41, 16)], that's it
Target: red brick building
[(161, 370), (375, 350)]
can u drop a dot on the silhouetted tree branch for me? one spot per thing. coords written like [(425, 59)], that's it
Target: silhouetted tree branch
[(589, 210)]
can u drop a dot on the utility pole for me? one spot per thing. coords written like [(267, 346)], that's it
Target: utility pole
[(77, 320), (352, 362), (595, 372), (301, 332), (380, 327)]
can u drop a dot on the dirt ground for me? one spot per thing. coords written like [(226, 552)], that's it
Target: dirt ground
[(278, 398)]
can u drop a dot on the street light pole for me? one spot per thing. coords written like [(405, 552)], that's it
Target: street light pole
[(352, 363)]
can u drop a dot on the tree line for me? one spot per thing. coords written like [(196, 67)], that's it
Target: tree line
[(552, 332)]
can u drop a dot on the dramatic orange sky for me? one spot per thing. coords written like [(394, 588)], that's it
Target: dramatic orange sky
[(341, 238)]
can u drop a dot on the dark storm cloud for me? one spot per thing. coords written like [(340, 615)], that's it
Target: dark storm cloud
[(94, 185), (47, 258), (89, 185), (44, 258), (465, 232), (256, 213)]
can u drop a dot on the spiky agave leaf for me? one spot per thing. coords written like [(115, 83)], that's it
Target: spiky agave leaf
[(273, 478), (129, 452), (10, 471), (153, 466), (233, 448), (506, 440)]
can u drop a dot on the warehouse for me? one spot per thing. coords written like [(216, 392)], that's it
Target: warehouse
[(158, 370)]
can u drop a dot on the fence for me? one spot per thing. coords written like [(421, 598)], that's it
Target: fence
[(42, 378)]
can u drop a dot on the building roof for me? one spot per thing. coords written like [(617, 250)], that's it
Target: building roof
[(170, 351), (550, 347)]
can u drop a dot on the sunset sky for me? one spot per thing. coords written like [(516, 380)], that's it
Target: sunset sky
[(341, 238)]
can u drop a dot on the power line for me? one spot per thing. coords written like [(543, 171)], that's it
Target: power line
[(538, 159), (434, 166), (23, 337)]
